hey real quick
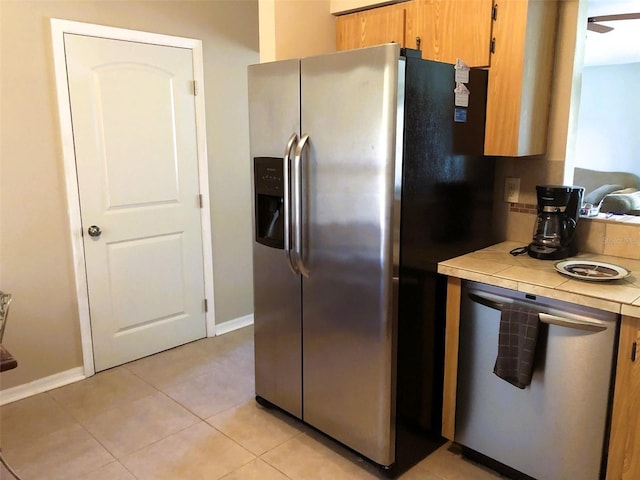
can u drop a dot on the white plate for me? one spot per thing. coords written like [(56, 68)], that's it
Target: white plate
[(590, 270)]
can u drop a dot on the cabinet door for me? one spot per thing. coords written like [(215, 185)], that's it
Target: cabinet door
[(451, 29), (348, 31), (624, 446), (519, 90), (372, 27)]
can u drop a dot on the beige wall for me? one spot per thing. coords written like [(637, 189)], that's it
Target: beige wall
[(35, 251), (295, 28)]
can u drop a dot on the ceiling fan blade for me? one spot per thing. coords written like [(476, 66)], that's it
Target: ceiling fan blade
[(618, 16), (596, 27)]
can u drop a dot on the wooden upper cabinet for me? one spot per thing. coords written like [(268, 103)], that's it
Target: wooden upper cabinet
[(452, 29), (446, 29), (373, 27), (519, 89), (348, 31), (624, 445), (514, 38)]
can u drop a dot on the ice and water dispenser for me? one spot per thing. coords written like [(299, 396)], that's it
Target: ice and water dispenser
[(269, 201)]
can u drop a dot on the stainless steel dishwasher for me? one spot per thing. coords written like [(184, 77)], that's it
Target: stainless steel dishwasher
[(557, 427)]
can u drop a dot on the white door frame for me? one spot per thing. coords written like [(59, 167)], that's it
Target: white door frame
[(58, 29)]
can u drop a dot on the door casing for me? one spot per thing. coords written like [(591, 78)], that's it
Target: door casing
[(58, 29)]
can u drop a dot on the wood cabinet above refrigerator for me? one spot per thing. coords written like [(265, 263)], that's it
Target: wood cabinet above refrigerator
[(443, 30), (515, 39), (366, 28), (450, 29)]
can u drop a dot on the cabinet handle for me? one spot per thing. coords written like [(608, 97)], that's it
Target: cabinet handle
[(418, 43), (634, 348)]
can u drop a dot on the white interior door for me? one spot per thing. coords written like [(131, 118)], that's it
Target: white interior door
[(134, 133)]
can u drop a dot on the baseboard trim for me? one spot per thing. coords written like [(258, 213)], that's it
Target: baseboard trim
[(235, 324), (41, 385)]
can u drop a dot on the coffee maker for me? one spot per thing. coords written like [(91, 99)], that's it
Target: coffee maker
[(554, 234)]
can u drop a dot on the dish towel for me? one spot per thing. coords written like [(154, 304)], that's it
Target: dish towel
[(517, 344)]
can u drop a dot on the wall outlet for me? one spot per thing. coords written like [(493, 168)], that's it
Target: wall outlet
[(511, 189)]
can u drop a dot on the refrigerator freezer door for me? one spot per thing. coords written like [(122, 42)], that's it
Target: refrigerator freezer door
[(349, 104), (274, 115)]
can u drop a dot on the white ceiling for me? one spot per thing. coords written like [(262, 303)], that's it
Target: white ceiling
[(622, 44)]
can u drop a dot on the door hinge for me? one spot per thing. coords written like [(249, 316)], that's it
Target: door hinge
[(206, 306), (200, 201), (195, 88), (492, 47), (418, 43), (494, 12)]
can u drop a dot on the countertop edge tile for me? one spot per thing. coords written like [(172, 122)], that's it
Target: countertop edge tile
[(472, 264), (631, 311), (623, 294), (568, 296), (612, 297), (477, 277), (537, 277)]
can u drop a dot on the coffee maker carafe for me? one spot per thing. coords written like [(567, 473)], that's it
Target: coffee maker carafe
[(554, 234)]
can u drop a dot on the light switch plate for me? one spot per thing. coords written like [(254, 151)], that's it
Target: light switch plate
[(511, 189)]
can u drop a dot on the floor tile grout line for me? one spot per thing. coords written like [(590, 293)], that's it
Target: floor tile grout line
[(97, 440), (160, 440), (273, 466), (186, 408), (105, 447), (77, 423)]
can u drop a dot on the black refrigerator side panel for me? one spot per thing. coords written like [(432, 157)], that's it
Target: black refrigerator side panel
[(447, 190), (447, 195)]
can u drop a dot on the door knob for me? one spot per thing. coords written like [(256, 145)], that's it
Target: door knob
[(94, 231)]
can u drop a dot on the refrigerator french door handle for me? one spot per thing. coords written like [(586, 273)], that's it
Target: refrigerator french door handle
[(286, 169), (297, 222)]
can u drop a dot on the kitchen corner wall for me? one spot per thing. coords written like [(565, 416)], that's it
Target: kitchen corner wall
[(516, 221), (36, 263), (295, 28)]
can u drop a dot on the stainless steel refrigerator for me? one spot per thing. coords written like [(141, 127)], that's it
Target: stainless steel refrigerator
[(365, 175)]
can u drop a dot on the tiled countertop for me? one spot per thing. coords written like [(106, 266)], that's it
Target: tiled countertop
[(496, 266)]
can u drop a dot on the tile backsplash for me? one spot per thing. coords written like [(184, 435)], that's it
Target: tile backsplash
[(523, 208), (617, 237)]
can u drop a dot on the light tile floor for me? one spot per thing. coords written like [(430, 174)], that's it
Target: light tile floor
[(187, 413)]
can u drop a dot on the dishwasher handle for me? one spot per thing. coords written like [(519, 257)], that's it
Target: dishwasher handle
[(486, 301), (548, 318), (589, 326)]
